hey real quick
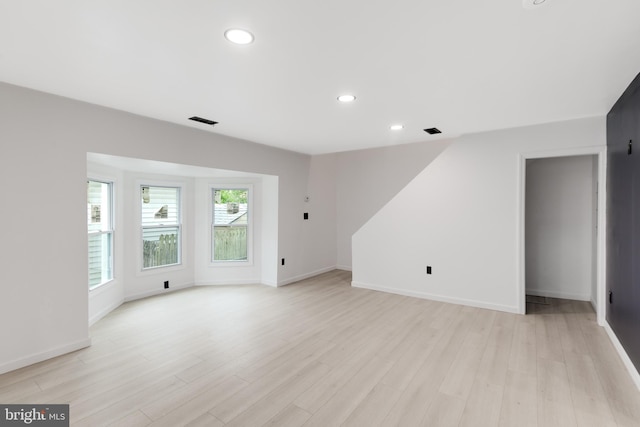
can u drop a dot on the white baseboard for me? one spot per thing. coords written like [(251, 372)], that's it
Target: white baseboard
[(633, 372), (425, 295), (146, 294), (305, 276), (558, 294), (104, 312), (39, 357), (344, 267)]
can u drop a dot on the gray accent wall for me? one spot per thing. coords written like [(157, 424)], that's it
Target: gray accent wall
[(623, 220)]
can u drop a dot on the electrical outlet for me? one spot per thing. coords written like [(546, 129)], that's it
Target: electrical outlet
[(282, 261), (166, 284), (306, 215), (428, 269)]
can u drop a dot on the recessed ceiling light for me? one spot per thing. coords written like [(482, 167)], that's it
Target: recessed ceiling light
[(396, 127), (346, 98), (530, 4), (238, 36)]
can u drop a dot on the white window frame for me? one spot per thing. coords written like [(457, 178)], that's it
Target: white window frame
[(179, 225), (110, 231), (222, 186)]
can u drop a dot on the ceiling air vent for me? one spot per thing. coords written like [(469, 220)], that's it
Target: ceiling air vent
[(432, 131), (201, 120)]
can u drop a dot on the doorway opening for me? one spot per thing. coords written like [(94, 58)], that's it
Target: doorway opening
[(562, 232)]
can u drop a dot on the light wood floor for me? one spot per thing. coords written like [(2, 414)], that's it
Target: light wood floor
[(320, 353)]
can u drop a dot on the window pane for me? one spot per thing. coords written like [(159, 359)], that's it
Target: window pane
[(98, 206), (160, 246), (230, 221), (100, 265), (160, 208), (229, 243), (160, 205), (100, 229)]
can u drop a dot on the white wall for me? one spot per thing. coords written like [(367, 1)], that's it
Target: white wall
[(367, 179), (270, 230), (319, 231), (45, 140), (43, 303), (560, 224), (461, 216)]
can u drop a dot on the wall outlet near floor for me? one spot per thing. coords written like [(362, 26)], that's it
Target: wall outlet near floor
[(166, 284), (428, 269), (282, 261)]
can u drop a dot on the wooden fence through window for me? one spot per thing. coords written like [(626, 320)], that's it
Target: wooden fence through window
[(163, 251)]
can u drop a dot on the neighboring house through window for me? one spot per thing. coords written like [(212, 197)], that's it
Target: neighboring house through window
[(230, 225), (100, 229), (161, 226)]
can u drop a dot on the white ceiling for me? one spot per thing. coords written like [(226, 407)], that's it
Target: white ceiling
[(460, 65)]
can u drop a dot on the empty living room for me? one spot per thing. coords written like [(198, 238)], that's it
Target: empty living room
[(295, 213)]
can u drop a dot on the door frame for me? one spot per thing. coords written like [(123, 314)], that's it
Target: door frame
[(601, 153)]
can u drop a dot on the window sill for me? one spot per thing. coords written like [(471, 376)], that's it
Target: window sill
[(96, 287), (161, 269)]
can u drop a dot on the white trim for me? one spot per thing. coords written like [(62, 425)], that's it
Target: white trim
[(520, 242), (601, 152), (601, 254), (45, 355), (434, 297), (344, 267), (556, 294), (633, 372), (305, 276), (147, 294)]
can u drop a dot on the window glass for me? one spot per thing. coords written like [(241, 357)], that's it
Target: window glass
[(160, 226), (100, 229), (230, 224)]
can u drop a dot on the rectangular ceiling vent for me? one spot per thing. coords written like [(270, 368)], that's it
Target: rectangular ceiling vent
[(201, 120), (432, 131)]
